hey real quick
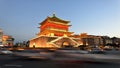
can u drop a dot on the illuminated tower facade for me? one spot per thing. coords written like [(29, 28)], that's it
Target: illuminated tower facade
[(54, 32), (54, 26)]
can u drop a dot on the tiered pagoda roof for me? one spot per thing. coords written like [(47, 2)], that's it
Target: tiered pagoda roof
[(55, 19)]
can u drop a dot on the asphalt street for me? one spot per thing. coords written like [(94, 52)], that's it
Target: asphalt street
[(7, 61)]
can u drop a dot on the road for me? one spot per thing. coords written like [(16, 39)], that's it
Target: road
[(7, 61)]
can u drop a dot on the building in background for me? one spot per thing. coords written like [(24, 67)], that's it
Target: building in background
[(91, 40), (107, 40), (6, 40), (1, 35)]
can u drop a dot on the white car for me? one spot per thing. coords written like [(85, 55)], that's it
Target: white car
[(5, 51)]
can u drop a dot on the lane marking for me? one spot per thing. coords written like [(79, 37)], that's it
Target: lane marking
[(13, 65)]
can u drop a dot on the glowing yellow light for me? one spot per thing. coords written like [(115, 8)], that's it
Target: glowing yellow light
[(52, 34), (65, 43), (65, 35)]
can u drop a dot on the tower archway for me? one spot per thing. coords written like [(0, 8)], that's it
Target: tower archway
[(66, 44)]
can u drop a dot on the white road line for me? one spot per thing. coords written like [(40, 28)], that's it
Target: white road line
[(12, 65)]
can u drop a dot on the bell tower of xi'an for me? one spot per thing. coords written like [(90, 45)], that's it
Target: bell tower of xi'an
[(54, 32)]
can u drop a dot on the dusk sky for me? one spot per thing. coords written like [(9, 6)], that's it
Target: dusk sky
[(20, 18)]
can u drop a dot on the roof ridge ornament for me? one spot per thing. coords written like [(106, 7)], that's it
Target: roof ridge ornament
[(54, 14)]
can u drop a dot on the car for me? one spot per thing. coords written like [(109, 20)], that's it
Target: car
[(33, 54), (112, 51), (71, 55), (81, 55), (5, 51)]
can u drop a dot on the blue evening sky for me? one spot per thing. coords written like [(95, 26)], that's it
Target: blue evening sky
[(20, 18)]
